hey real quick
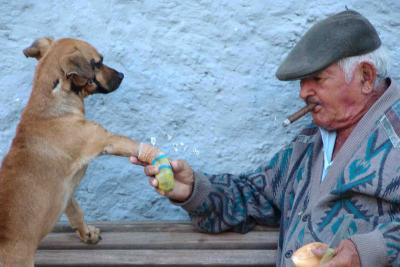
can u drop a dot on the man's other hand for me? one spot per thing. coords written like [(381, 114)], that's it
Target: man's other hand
[(346, 255)]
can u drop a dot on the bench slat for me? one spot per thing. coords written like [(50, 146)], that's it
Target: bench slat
[(147, 226), (188, 258), (165, 240), (166, 243)]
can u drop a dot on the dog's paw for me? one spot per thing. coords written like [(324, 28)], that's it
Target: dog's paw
[(92, 236)]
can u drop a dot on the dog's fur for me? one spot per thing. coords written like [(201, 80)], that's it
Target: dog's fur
[(52, 147)]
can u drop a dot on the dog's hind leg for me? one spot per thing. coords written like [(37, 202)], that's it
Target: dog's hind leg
[(87, 233)]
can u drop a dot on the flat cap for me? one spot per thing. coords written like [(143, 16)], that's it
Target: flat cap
[(342, 35)]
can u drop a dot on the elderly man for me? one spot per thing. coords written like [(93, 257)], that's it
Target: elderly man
[(343, 167)]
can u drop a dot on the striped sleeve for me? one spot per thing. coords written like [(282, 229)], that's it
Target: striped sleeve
[(239, 202)]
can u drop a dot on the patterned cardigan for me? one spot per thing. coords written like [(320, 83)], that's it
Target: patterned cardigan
[(362, 182)]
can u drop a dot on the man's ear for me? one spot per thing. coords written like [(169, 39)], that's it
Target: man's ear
[(368, 77), (76, 64), (38, 48)]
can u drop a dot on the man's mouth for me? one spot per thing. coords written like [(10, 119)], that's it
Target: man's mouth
[(317, 108), (315, 102)]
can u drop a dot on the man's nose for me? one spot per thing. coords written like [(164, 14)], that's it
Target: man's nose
[(306, 89)]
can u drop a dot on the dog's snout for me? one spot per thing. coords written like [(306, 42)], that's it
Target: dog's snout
[(25, 51), (120, 75), (118, 80), (112, 79)]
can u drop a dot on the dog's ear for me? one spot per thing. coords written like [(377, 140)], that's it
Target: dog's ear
[(38, 48), (76, 64)]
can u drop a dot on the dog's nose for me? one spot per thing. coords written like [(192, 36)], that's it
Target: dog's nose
[(120, 75)]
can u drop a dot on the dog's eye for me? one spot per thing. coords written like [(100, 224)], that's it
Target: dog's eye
[(96, 64)]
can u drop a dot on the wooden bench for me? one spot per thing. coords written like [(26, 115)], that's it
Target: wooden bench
[(158, 244)]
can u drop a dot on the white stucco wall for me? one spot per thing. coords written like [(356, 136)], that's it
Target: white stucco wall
[(199, 82)]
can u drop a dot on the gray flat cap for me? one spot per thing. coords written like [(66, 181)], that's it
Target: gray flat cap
[(342, 35)]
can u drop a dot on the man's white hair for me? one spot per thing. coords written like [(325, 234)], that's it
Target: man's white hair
[(378, 58)]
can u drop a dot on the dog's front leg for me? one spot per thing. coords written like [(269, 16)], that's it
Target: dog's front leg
[(87, 233), (100, 141), (103, 142), (120, 146)]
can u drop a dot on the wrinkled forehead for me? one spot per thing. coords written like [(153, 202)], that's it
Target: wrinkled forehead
[(87, 50), (333, 69)]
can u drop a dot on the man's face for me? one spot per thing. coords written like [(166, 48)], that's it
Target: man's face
[(340, 104)]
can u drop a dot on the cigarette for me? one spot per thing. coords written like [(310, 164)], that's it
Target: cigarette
[(298, 114)]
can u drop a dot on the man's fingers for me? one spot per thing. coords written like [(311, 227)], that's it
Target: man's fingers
[(344, 255), (320, 250), (153, 182), (161, 192), (151, 170), (136, 161), (178, 165)]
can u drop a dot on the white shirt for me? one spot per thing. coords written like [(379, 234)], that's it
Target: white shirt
[(328, 141)]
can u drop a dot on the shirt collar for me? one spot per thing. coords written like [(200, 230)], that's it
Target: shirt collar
[(328, 142)]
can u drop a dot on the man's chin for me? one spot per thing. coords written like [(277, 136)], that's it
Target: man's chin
[(323, 125)]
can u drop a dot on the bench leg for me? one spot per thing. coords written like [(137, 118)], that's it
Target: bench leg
[(87, 233)]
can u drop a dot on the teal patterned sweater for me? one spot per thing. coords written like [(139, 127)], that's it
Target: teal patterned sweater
[(362, 182)]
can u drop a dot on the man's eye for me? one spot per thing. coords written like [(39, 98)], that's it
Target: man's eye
[(319, 79)]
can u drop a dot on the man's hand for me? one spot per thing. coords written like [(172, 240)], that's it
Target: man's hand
[(183, 174), (346, 255)]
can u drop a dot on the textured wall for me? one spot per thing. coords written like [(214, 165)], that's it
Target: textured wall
[(199, 82)]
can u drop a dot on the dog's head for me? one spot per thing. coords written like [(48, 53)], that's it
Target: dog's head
[(80, 63)]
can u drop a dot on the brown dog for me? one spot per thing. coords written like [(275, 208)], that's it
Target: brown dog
[(52, 147)]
